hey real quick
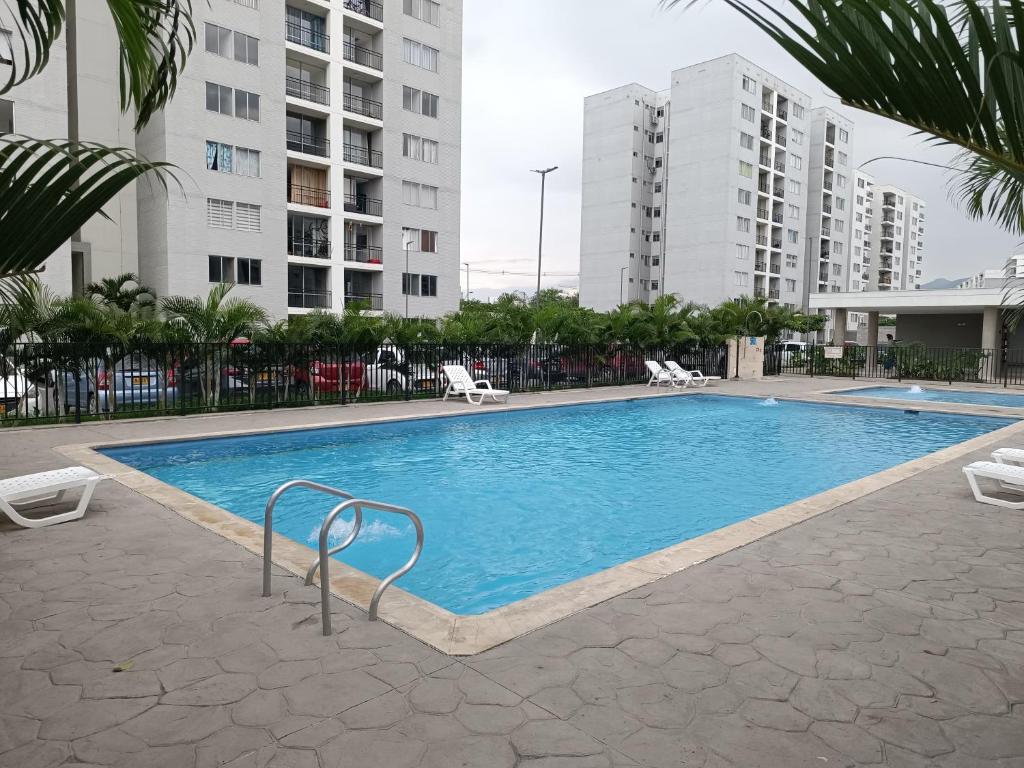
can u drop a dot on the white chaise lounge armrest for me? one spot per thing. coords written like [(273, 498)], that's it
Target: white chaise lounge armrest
[(1012, 456), (1007, 477)]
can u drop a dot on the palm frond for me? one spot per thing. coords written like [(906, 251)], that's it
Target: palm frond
[(48, 190)]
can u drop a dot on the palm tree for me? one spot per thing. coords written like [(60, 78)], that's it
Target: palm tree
[(115, 291), (69, 179), (207, 326), (952, 70)]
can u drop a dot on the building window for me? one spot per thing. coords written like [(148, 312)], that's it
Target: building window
[(247, 162), (797, 137), (659, 138), (844, 135), (419, 55), (840, 181), (796, 162), (749, 84), (798, 111), (220, 213), (746, 170), (746, 140), (790, 285), (741, 278), (218, 99), (742, 252), (218, 40), (658, 163), (657, 213), (837, 247), (222, 269), (793, 236), (247, 50), (743, 196), (742, 224), (656, 237), (791, 260), (794, 187), (247, 217), (424, 10), (247, 105), (219, 157), (843, 159), (657, 187), (250, 272), (654, 284), (839, 225), (419, 285), (420, 240), (840, 203), (416, 148), (747, 113), (794, 212), (419, 195), (837, 269), (420, 102)]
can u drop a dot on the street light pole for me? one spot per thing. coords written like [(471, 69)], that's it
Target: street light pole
[(540, 241)]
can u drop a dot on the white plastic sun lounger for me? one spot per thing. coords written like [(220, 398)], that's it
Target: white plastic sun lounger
[(1013, 456), (461, 383), (1009, 478), (659, 375), (696, 378), (47, 486)]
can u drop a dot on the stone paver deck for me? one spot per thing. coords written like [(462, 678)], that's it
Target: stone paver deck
[(887, 632)]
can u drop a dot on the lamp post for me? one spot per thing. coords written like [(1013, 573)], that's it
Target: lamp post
[(540, 241)]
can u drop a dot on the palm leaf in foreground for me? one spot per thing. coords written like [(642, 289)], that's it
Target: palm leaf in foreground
[(48, 190), (953, 70)]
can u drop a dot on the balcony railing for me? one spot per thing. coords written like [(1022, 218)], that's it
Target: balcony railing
[(367, 206), (309, 247), (829, 160), (363, 56), (773, 293), (777, 245), (318, 198), (766, 133), (783, 114), (775, 269), (779, 192), (762, 213), (363, 156), (765, 160), (768, 107), (777, 218), (781, 167), (762, 240), (826, 232), (374, 301), (759, 293), (365, 107), (366, 8), (310, 145), (296, 33), (364, 254), (309, 299), (826, 208), (303, 89), (780, 140), (760, 266), (764, 187), (826, 184)]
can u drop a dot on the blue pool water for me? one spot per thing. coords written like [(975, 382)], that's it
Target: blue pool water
[(1007, 400), (516, 503)]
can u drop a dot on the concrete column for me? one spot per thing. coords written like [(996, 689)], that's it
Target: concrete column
[(838, 327), (991, 339), (871, 342)]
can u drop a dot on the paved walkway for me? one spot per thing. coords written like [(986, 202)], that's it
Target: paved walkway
[(889, 631)]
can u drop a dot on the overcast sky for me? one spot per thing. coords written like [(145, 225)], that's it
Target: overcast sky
[(528, 66)]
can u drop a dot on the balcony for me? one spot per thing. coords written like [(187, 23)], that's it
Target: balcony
[(309, 299), (827, 184), (826, 208), (765, 187), (300, 195), (762, 213), (363, 156), (780, 167), (762, 240), (303, 89), (364, 205), (366, 8), (830, 159), (780, 140), (775, 269), (773, 293), (783, 114), (779, 192), (765, 159), (826, 232), (767, 106), (300, 35), (371, 301), (760, 266), (766, 133), (310, 247), (309, 145), (364, 107), (777, 245), (759, 293), (363, 56), (364, 254), (777, 218)]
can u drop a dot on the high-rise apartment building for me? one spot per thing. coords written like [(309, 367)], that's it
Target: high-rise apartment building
[(699, 191), (889, 224), (319, 144)]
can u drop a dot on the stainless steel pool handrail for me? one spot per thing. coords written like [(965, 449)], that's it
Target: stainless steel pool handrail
[(323, 559), (268, 520)]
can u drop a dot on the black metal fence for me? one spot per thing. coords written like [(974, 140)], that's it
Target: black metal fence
[(49, 383), (1002, 367)]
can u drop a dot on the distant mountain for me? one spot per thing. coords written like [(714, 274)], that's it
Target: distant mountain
[(941, 282)]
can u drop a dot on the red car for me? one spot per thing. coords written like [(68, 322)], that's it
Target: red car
[(327, 377)]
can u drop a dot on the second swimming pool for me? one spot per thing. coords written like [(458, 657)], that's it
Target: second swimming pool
[(514, 503), (1004, 399)]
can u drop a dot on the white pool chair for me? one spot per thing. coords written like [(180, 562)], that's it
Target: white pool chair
[(694, 378), (1009, 478), (47, 486), (461, 383), (1012, 456), (659, 375)]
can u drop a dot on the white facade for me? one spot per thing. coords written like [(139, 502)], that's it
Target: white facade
[(315, 140), (699, 191)]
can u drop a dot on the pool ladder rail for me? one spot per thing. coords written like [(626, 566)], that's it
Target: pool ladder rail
[(322, 562)]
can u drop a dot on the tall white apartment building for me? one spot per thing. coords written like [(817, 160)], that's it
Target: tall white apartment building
[(319, 145), (830, 186), (699, 191), (860, 273), (889, 252)]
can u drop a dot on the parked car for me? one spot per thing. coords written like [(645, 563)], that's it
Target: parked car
[(18, 395), (387, 370), (135, 380), (328, 376)]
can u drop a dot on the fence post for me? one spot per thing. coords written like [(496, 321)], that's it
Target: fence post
[(78, 394), (811, 360)]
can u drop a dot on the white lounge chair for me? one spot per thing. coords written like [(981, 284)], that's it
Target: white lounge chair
[(696, 378), (1013, 456), (47, 486), (1009, 478), (461, 383), (659, 375)]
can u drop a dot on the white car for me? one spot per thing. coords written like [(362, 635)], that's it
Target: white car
[(21, 397), (388, 371)]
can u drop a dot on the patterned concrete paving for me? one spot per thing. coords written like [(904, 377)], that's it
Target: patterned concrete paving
[(887, 632)]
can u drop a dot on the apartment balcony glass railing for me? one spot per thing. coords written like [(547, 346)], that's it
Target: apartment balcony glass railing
[(308, 38), (310, 145), (363, 156), (373, 301), (364, 254), (309, 299), (363, 56), (366, 8), (367, 206), (318, 198), (309, 247), (303, 89), (361, 106)]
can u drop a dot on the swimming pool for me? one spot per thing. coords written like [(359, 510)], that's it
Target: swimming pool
[(517, 502), (1007, 400)]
